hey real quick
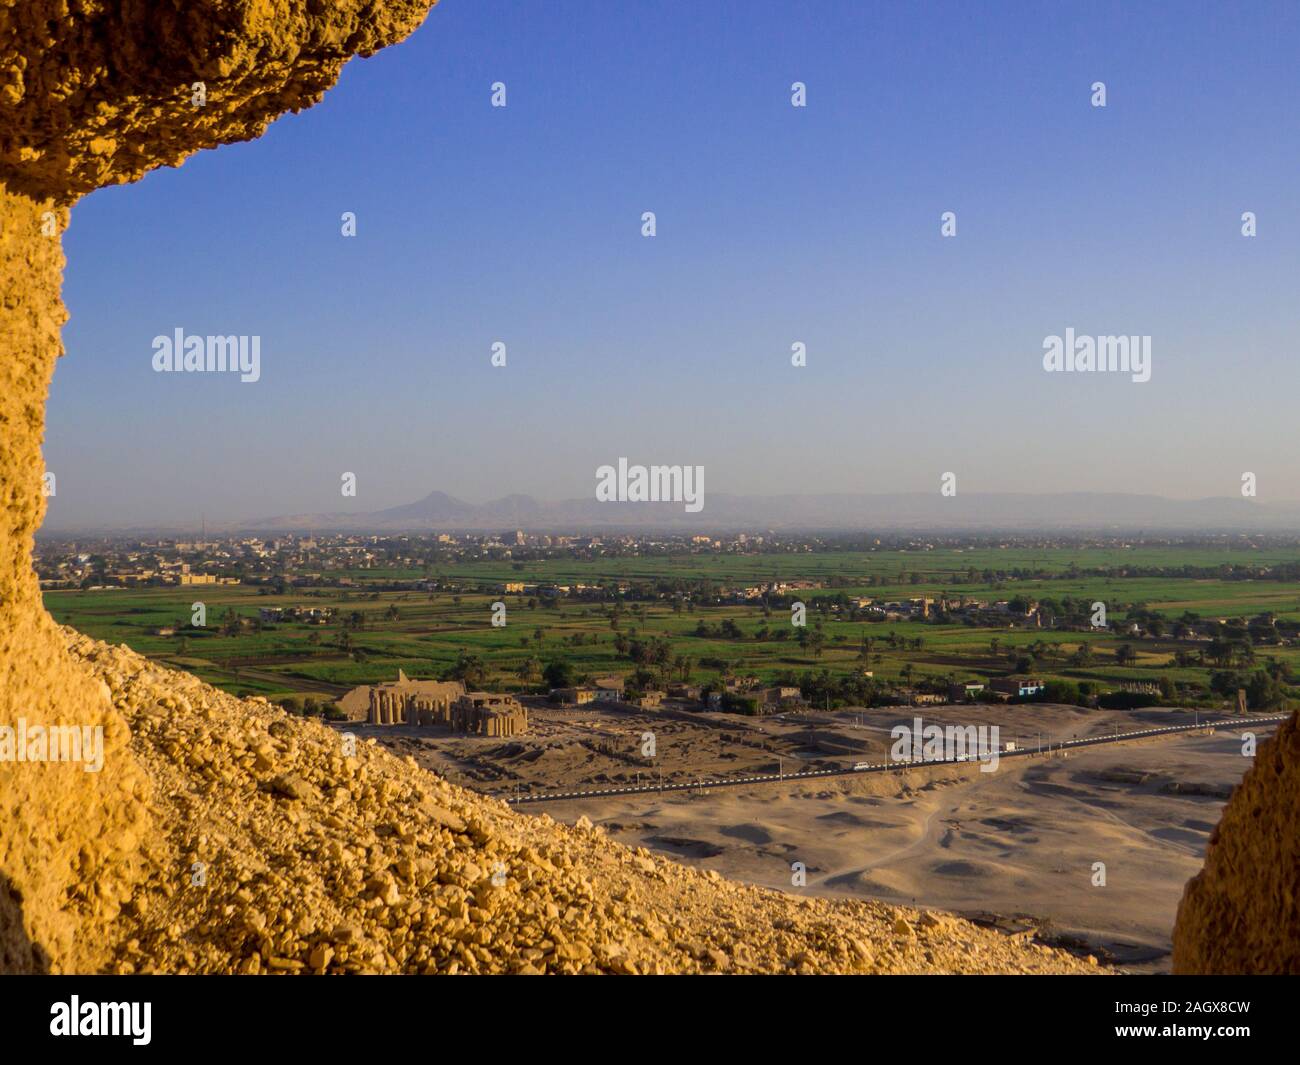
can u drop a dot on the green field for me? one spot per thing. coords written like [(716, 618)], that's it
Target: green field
[(425, 634)]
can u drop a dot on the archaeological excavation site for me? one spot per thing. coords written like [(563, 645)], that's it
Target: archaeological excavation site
[(224, 836)]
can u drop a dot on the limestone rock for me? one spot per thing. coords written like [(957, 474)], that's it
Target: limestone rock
[(1241, 913), (92, 94), (97, 94)]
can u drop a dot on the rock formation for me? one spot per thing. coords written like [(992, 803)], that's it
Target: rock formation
[(67, 837), (1241, 913), (93, 93)]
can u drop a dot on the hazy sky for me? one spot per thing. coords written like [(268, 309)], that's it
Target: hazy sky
[(776, 224)]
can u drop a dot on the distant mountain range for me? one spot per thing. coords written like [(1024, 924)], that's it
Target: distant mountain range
[(1080, 511)]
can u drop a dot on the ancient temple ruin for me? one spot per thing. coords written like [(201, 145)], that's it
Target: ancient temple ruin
[(413, 702), (446, 704), (489, 714)]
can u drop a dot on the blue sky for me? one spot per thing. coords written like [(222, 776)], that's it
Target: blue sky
[(775, 224)]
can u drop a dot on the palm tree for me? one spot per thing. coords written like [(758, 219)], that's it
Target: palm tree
[(470, 669)]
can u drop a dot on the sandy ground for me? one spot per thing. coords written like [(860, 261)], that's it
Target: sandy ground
[(596, 747), (1019, 843), (1017, 846)]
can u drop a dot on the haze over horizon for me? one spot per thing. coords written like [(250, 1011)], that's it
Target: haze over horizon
[(776, 225), (971, 513)]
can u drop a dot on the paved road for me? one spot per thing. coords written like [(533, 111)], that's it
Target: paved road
[(882, 767)]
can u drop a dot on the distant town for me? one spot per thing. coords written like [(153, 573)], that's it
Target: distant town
[(749, 623), (305, 561)]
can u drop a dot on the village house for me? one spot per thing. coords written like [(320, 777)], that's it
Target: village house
[(912, 697), (578, 696), (1016, 687), (779, 698), (609, 689)]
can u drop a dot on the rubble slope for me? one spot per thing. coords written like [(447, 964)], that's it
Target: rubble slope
[(274, 848)]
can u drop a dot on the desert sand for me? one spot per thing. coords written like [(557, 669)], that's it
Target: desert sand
[(1019, 843)]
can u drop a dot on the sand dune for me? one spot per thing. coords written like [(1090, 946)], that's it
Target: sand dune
[(1021, 842)]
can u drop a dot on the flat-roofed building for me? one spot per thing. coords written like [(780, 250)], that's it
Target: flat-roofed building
[(1016, 687), (775, 698), (578, 696)]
